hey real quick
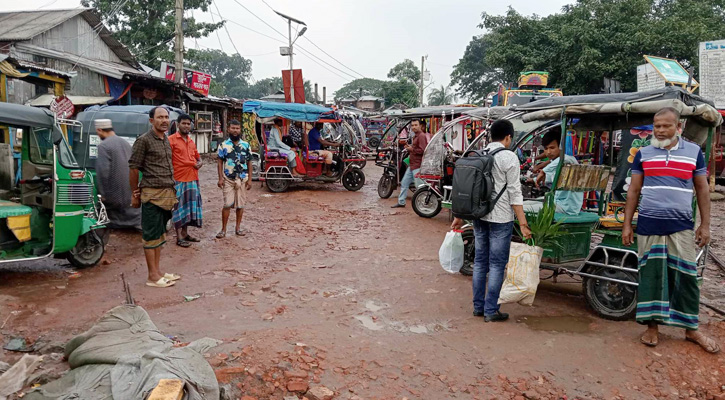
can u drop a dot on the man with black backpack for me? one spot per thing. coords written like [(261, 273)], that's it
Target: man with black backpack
[(487, 190)]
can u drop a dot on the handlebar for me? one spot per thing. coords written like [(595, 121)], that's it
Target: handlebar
[(34, 181)]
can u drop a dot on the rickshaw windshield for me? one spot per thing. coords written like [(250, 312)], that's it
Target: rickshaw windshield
[(435, 152), (65, 155), (41, 147)]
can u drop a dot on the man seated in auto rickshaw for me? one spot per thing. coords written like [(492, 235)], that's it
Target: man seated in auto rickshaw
[(567, 202), (275, 143), (315, 143)]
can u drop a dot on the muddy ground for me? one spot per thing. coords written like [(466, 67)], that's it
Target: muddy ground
[(334, 288)]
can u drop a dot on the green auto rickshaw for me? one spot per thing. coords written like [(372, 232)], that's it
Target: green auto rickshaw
[(48, 204)]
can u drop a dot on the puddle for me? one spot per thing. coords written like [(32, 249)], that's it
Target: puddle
[(557, 323), (369, 323), (373, 306)]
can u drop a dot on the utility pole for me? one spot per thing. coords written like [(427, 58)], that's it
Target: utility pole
[(422, 73), (179, 43), (291, 42)]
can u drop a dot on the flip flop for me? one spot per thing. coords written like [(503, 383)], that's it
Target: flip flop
[(241, 232), (221, 234), (172, 277), (189, 238), (709, 344), (650, 344), (182, 243), (161, 283)]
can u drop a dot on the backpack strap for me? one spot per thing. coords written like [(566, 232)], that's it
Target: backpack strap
[(505, 185)]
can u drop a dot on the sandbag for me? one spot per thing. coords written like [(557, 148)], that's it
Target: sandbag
[(450, 254), (522, 275)]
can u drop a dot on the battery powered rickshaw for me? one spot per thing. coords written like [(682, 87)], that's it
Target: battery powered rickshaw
[(276, 173), (51, 209), (390, 152), (592, 249)]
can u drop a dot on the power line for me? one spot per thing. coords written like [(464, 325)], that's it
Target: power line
[(250, 29), (227, 29), (217, 30)]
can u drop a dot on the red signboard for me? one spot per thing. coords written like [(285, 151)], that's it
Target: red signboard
[(299, 86), (196, 80), (62, 107)]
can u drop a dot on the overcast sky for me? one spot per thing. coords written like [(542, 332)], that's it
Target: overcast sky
[(367, 36)]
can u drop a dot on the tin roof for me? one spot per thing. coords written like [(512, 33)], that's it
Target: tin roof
[(108, 68), (25, 25)]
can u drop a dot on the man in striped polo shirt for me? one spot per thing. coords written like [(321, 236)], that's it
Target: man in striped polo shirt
[(665, 174)]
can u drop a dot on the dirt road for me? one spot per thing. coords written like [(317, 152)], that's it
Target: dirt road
[(334, 288)]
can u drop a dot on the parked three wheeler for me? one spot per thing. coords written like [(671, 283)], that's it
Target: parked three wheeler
[(276, 173), (53, 209), (593, 250)]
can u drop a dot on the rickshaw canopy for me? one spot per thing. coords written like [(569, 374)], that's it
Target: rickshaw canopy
[(16, 114), (291, 111), (604, 112), (433, 111)]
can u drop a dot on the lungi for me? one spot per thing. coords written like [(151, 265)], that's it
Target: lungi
[(235, 192), (668, 292), (187, 211), (156, 206)]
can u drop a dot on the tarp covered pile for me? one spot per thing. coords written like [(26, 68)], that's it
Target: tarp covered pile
[(124, 356)]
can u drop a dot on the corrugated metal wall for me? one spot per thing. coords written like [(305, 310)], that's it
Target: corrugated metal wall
[(78, 37), (85, 83)]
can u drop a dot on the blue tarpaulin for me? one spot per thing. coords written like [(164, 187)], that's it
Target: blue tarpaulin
[(292, 111)]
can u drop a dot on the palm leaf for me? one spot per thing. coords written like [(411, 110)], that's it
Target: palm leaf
[(544, 232)]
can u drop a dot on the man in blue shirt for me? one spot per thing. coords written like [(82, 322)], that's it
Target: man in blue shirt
[(315, 143)]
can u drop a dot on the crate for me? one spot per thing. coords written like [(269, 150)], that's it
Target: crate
[(572, 247)]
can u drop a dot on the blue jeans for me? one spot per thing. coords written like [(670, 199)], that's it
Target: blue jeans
[(408, 178), (493, 242)]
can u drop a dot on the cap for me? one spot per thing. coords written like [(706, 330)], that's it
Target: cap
[(103, 124)]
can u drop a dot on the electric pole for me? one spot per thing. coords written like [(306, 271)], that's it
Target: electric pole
[(422, 75), (179, 43), (291, 68)]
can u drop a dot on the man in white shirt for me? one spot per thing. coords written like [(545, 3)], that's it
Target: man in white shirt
[(493, 232)]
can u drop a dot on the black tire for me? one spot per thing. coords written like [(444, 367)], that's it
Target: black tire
[(87, 252), (611, 300), (353, 180), (469, 252), (426, 203), (277, 185), (386, 186), (374, 142), (362, 163)]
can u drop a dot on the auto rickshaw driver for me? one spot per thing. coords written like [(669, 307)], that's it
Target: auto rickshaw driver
[(315, 143)]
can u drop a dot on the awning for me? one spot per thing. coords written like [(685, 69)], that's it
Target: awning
[(44, 100), (291, 111)]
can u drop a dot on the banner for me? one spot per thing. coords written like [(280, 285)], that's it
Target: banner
[(199, 81), (299, 86)]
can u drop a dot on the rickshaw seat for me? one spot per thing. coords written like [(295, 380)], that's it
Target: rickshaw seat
[(272, 154), (313, 157), (17, 217), (584, 178), (12, 209), (583, 217)]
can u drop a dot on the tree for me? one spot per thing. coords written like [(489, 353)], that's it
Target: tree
[(369, 86), (231, 72), (441, 96), (586, 42), (405, 70), (401, 91), (147, 27)]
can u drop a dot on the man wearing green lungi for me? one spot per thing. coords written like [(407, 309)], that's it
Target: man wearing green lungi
[(664, 174)]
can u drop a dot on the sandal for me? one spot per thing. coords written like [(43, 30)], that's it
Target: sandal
[(190, 238), (241, 232), (172, 277), (653, 343), (182, 243), (707, 344), (161, 283), (221, 234)]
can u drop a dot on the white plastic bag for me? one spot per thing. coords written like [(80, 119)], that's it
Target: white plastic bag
[(522, 275), (451, 252)]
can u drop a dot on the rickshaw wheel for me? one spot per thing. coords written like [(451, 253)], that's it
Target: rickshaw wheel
[(373, 142), (611, 300), (385, 186), (353, 180), (87, 252), (426, 203), (277, 185), (362, 163), (469, 252)]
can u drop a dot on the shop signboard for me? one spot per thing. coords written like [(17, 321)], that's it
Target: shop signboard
[(199, 81), (712, 72)]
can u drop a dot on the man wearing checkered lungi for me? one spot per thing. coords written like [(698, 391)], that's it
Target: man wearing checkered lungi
[(664, 174), (187, 162)]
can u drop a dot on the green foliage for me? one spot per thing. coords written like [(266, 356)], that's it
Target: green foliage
[(586, 42), (147, 27), (369, 86), (401, 91), (231, 72), (405, 70), (544, 232), (441, 96)]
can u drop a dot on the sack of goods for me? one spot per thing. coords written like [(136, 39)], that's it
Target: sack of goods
[(473, 194), (451, 252), (522, 275)]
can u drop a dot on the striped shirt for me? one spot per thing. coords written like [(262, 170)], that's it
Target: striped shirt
[(666, 204)]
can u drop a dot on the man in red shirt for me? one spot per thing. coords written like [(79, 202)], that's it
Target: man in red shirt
[(420, 141), (187, 161)]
